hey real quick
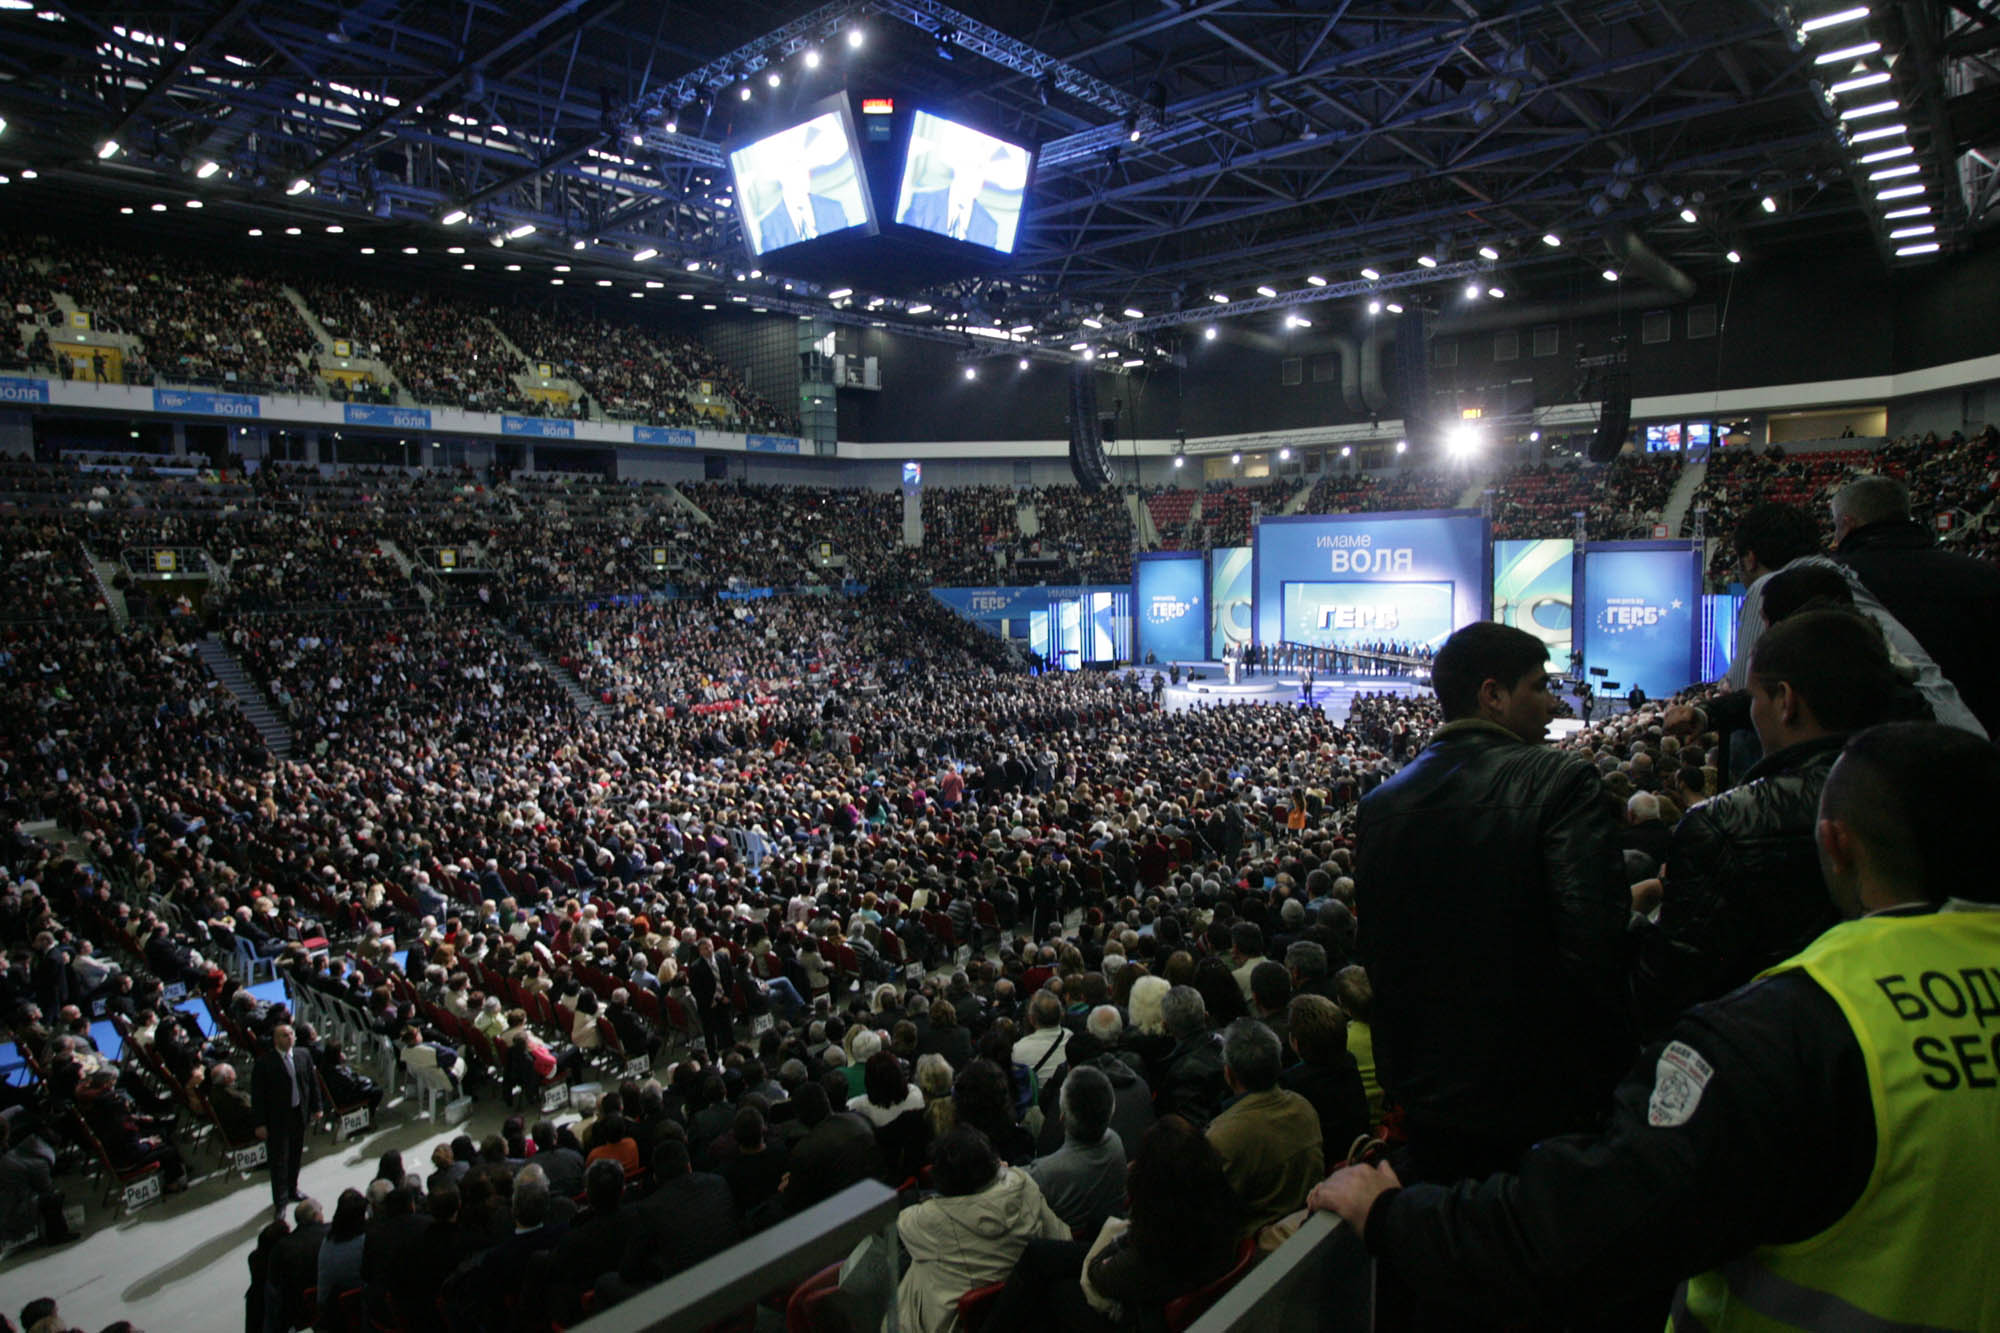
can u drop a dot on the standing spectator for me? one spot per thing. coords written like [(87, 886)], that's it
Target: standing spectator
[(1743, 887), (1493, 909), (1950, 602), (285, 1095)]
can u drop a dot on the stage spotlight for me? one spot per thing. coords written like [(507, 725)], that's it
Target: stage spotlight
[(1402, 446), (1208, 334), (972, 372), (743, 93), (1534, 437), (1462, 441), (1734, 256), (1236, 459), (1024, 363), (1374, 307), (773, 78), (1284, 455), (812, 57), (1180, 460), (855, 37)]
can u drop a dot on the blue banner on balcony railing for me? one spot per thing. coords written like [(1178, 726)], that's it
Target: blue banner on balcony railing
[(383, 414), (667, 435), (545, 428), (772, 444), (23, 391), (204, 404)]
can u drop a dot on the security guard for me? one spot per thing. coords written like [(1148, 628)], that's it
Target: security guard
[(1820, 1149)]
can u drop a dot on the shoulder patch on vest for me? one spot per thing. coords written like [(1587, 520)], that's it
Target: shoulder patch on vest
[(1678, 1082)]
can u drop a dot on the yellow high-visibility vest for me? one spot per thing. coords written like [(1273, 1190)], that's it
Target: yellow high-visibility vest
[(1920, 1249)]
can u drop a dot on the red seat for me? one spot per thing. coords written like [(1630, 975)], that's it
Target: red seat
[(803, 1311), (1184, 1310), (975, 1305)]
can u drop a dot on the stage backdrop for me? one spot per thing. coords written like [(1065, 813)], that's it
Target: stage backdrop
[(1342, 580), (1641, 621), (1169, 606), (1229, 598), (1533, 589)]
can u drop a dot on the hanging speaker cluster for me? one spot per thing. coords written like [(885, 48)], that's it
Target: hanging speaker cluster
[(1614, 417), (1087, 460)]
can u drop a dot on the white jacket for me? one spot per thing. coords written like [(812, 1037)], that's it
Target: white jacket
[(972, 1240)]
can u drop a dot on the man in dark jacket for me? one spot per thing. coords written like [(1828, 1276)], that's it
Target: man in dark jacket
[(1326, 1074), (1191, 1081), (690, 1217), (1950, 602), (838, 1150), (1743, 886), (1493, 908), (294, 1266)]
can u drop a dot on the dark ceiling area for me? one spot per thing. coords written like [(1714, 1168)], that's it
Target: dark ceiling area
[(1189, 151)]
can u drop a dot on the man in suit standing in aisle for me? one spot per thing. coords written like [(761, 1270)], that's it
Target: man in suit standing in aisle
[(285, 1093)]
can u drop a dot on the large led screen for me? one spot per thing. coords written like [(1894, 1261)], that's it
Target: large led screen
[(1356, 615), (1640, 622), (800, 184), (1229, 599), (1408, 578), (960, 183), (1168, 606), (1534, 589)]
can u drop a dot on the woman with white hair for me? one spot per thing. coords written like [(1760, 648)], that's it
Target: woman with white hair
[(1147, 1036)]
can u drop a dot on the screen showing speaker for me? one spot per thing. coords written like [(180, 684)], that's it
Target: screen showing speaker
[(962, 183), (801, 183)]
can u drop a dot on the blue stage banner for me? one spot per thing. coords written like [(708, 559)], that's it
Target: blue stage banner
[(379, 414), (1534, 588), (1641, 603), (1012, 603), (1168, 606), (1229, 598), (671, 436), (204, 404), (771, 444), (1334, 554), (23, 391), (545, 428)]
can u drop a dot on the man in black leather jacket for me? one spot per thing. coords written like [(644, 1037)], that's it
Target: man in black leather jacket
[(1950, 602), (1742, 889), (1493, 907)]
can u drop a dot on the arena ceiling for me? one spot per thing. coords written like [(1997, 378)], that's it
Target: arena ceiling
[(1189, 149)]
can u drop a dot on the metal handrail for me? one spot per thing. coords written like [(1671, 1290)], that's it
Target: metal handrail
[(742, 1274)]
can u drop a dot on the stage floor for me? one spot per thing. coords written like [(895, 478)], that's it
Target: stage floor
[(1206, 685)]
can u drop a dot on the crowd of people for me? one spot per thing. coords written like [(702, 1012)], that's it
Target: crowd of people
[(1620, 501), (1110, 987)]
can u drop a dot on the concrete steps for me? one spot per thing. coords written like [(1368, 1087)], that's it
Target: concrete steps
[(587, 703), (222, 664), (1681, 499), (114, 598)]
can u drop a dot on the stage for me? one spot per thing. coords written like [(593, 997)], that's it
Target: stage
[(1332, 693)]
